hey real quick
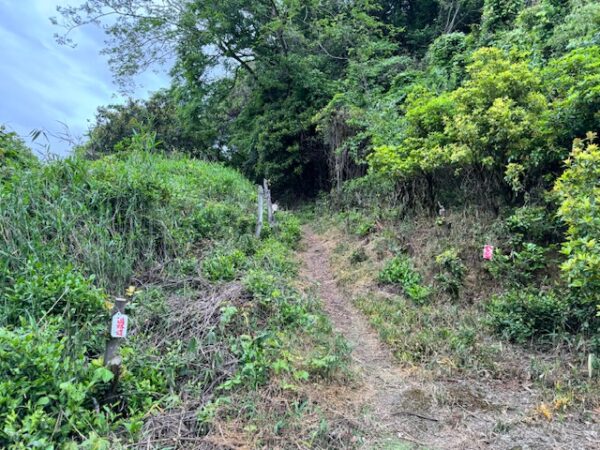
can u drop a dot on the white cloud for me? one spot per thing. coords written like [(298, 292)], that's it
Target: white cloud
[(42, 82)]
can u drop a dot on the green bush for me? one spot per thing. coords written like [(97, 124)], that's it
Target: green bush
[(14, 154), (522, 314), (221, 219), (578, 189), (275, 257), (223, 266), (518, 268), (399, 270), (261, 283), (46, 394), (447, 53), (579, 29), (451, 272), (358, 223), (369, 190), (574, 86), (531, 224), (497, 120), (290, 231), (41, 290), (499, 15)]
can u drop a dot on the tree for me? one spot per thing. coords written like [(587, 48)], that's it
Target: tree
[(14, 154), (499, 15), (280, 61), (115, 125), (498, 120)]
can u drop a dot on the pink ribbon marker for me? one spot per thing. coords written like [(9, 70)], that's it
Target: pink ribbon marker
[(488, 252)]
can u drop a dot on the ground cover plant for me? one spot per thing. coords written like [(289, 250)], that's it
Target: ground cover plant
[(212, 308)]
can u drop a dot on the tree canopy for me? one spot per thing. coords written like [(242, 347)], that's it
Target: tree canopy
[(303, 92)]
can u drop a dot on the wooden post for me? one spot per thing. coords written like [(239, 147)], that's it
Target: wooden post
[(259, 223), (112, 358), (270, 215)]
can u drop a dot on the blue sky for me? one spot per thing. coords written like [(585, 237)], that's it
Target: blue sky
[(42, 83)]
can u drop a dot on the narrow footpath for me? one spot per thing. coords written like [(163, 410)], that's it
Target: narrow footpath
[(404, 408)]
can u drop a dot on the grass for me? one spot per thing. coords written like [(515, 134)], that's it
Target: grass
[(451, 333), (214, 314), (441, 338)]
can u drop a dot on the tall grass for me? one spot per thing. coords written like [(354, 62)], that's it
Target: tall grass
[(110, 217)]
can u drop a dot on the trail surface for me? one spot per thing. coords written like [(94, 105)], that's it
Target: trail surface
[(404, 408), (371, 357)]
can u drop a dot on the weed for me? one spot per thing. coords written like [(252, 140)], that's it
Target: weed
[(519, 315), (223, 266), (451, 272), (437, 336), (518, 268), (359, 255), (399, 270), (75, 232)]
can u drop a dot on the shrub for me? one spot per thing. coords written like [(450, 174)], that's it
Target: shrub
[(223, 266), (399, 270), (574, 86), (451, 272), (261, 283), (579, 28), (531, 224), (518, 268), (358, 223), (579, 191), (499, 15), (275, 257), (217, 219), (42, 290), (447, 53), (46, 395), (519, 315), (497, 117), (14, 154), (290, 231), (367, 191)]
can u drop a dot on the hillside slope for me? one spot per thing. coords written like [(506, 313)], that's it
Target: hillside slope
[(431, 375), (221, 347)]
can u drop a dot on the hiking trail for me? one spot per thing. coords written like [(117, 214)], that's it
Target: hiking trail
[(405, 407)]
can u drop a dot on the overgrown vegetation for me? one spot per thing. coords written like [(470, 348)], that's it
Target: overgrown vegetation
[(214, 315), (438, 127)]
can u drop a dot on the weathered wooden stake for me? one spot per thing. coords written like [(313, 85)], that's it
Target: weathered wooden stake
[(112, 358), (259, 223), (267, 191)]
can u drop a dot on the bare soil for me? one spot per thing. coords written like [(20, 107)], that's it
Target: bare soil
[(408, 407)]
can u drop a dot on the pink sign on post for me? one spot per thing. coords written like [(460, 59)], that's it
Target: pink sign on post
[(119, 324), (488, 252)]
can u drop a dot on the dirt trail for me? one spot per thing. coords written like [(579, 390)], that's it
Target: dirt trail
[(404, 408), (368, 351)]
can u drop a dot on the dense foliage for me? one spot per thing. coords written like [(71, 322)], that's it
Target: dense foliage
[(212, 308), (579, 191), (442, 102), (405, 110)]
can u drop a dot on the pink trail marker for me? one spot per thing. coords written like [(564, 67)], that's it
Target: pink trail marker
[(488, 252)]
